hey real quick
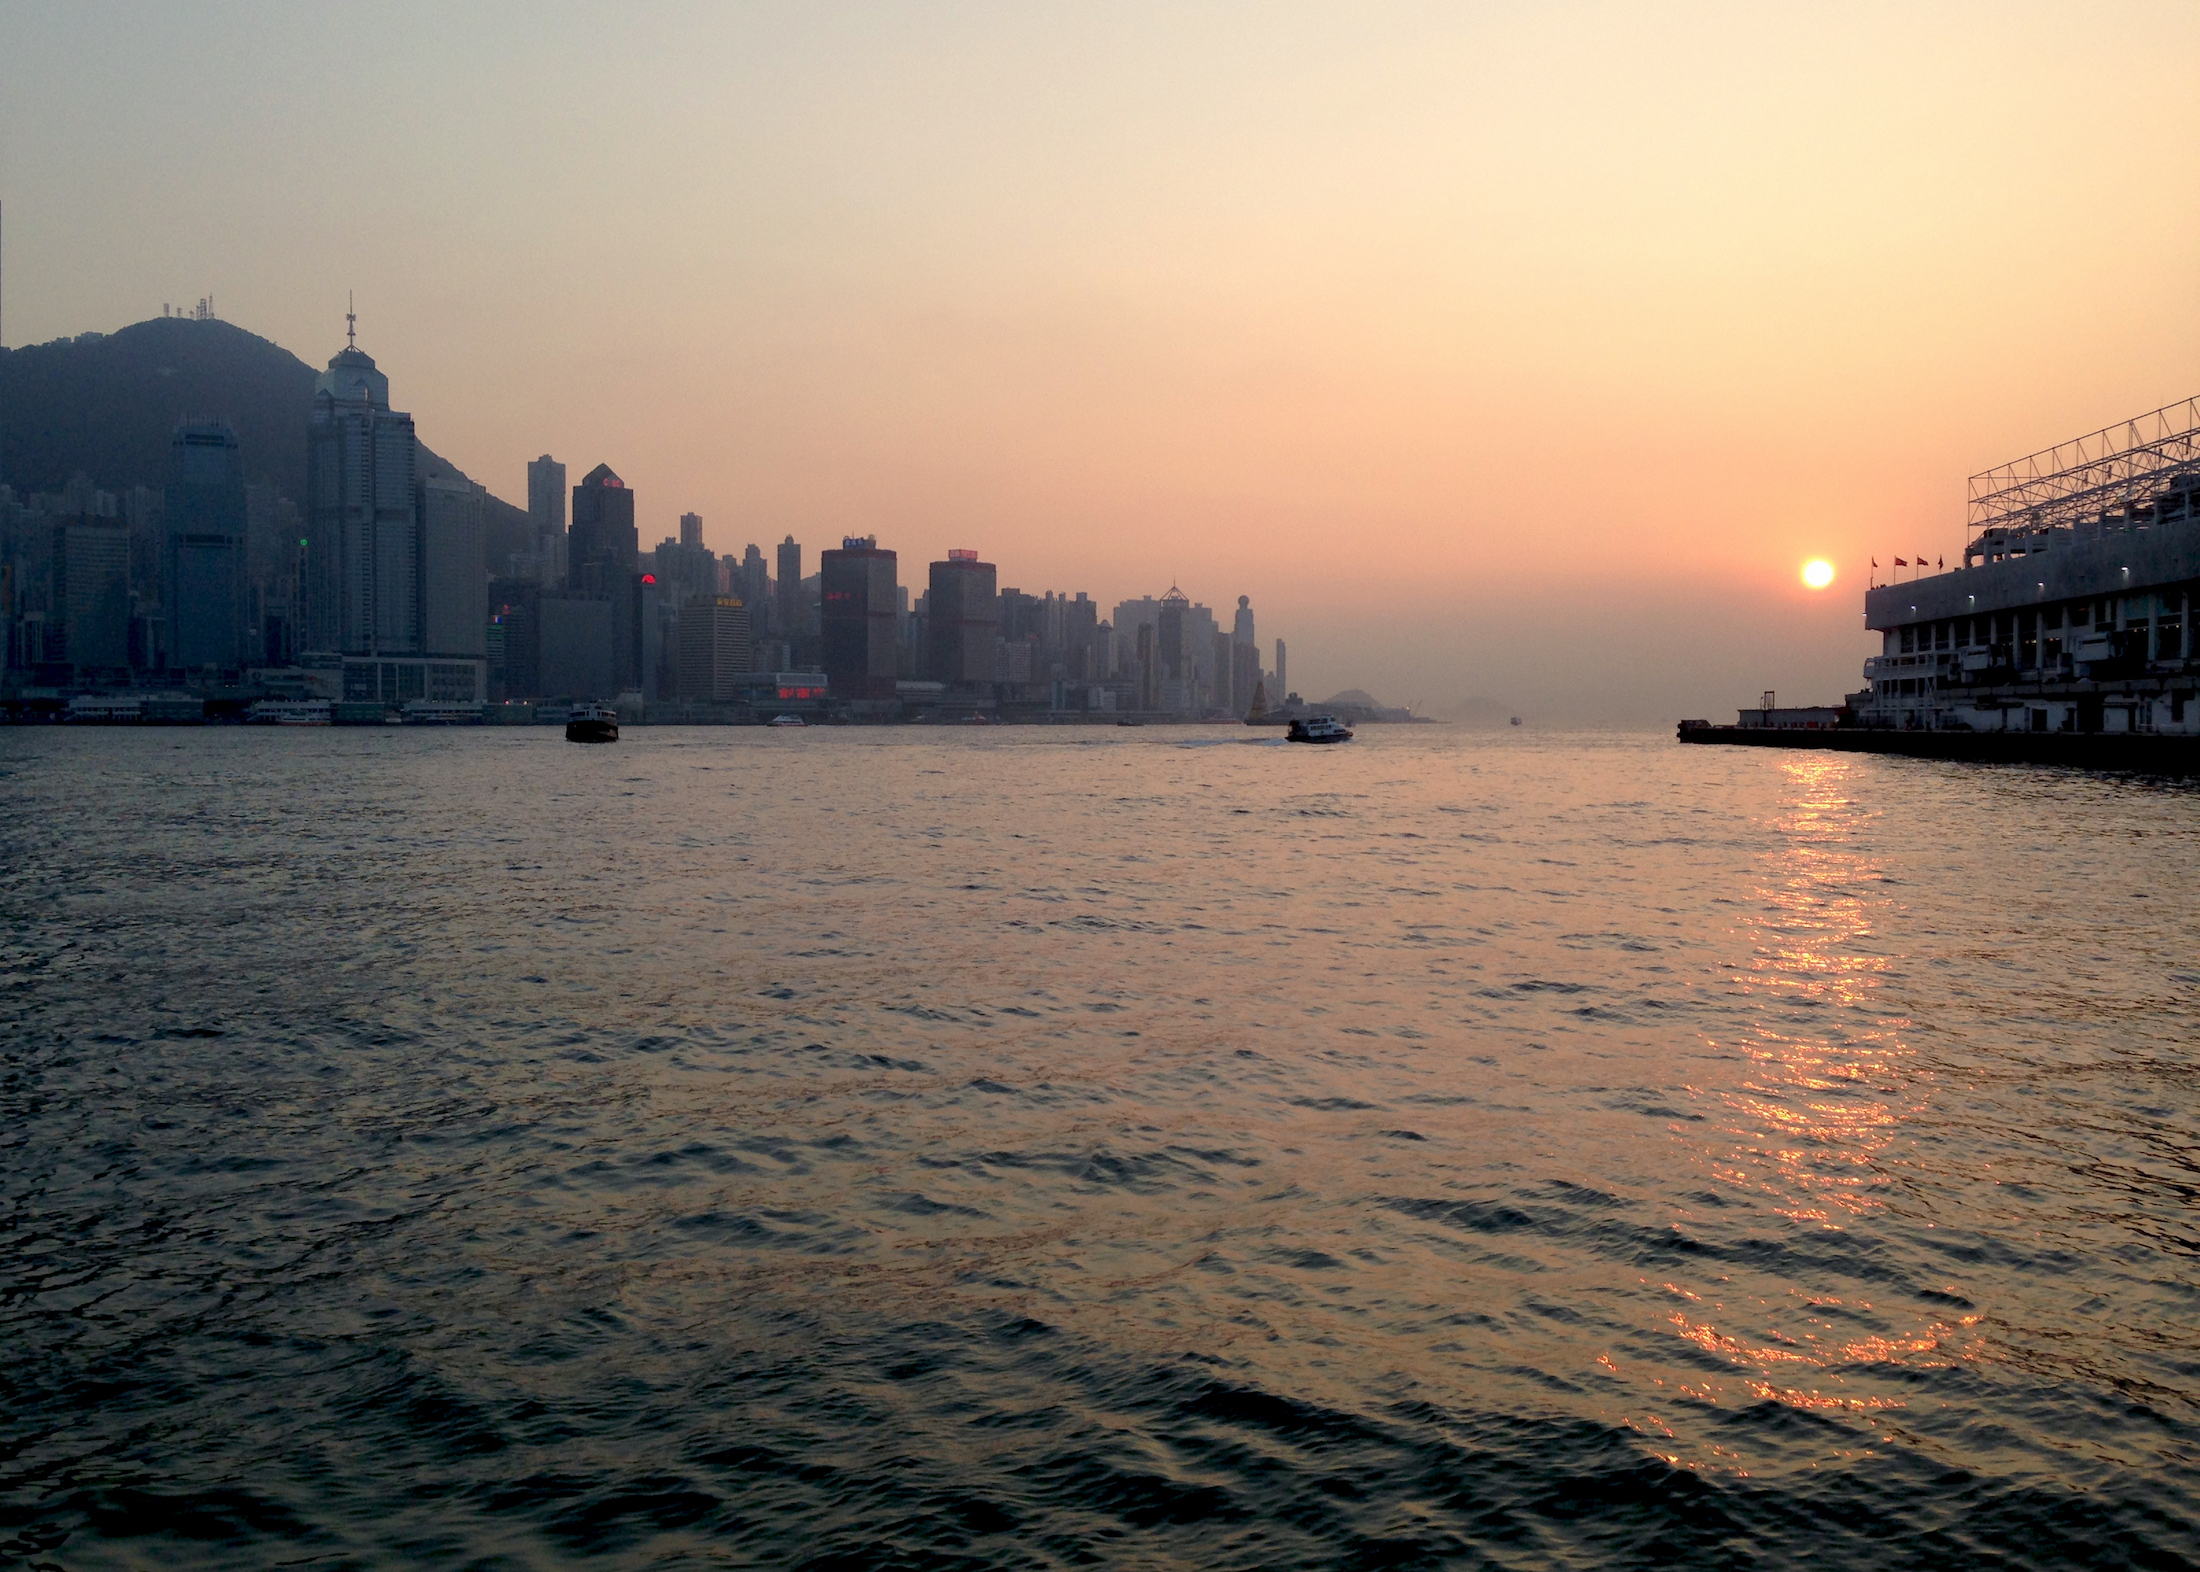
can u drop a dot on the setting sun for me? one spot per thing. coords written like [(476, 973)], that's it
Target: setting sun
[(1818, 573)]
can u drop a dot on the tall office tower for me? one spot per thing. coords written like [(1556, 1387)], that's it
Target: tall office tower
[(91, 592), (202, 563), (1283, 681), (755, 588), (962, 620), (691, 530), (546, 498), (515, 610), (1244, 657), (1174, 652), (714, 648), (1080, 624), (603, 546), (857, 601), (362, 521), (454, 577), (790, 589)]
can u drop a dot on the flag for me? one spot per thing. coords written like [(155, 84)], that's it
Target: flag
[(1940, 562), (1898, 562), (1875, 562)]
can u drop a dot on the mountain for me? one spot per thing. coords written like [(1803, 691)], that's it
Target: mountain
[(105, 406)]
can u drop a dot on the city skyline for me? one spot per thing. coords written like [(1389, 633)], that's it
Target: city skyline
[(1155, 295)]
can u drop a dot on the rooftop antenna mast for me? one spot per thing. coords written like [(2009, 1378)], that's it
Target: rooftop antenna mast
[(351, 320)]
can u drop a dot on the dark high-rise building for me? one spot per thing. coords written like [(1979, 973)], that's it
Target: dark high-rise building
[(1172, 652), (691, 529), (453, 567), (714, 648), (546, 519), (858, 600), (362, 570), (546, 496), (1244, 657), (962, 620), (1080, 633), (790, 589), (515, 623), (202, 565), (91, 591), (603, 548), (754, 587)]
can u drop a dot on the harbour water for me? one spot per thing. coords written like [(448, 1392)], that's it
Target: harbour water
[(1021, 1148)]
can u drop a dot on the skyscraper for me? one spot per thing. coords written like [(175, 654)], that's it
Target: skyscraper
[(790, 589), (857, 604), (755, 586), (453, 574), (604, 548), (962, 620), (691, 530), (714, 648), (1174, 649), (546, 518), (362, 524), (1244, 657), (202, 561), (546, 496), (91, 590)]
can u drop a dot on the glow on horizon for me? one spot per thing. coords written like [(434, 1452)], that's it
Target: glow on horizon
[(1394, 318)]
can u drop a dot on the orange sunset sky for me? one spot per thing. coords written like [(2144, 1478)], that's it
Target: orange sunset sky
[(1494, 349)]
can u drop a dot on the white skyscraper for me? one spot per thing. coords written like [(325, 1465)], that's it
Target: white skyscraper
[(363, 548)]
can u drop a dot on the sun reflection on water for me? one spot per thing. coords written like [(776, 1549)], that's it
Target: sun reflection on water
[(1812, 1132)]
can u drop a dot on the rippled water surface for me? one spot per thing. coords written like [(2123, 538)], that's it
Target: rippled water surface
[(1090, 1148)]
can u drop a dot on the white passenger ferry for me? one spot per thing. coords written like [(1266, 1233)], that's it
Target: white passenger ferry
[(289, 712)]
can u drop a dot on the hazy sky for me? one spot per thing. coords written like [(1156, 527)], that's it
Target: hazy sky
[(1511, 349)]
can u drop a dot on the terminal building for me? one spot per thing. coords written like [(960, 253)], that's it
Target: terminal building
[(2073, 608)]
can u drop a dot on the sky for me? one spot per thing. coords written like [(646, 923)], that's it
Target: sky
[(1516, 350)]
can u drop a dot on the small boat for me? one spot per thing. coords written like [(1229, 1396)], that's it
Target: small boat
[(592, 723), (788, 720), (1516, 720), (1318, 728)]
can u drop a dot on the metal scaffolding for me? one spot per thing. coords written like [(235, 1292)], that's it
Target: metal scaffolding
[(2105, 479)]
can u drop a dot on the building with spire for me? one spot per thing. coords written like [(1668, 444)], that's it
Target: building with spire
[(390, 571), (1244, 657), (362, 567)]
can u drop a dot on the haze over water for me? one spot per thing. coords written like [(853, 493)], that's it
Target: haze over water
[(1066, 1147)]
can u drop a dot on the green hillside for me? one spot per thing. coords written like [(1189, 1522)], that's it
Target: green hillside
[(106, 406)]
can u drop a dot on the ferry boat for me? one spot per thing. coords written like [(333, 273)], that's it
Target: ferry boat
[(2065, 634), (592, 723), (290, 712), (788, 720), (440, 712), (1318, 728)]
